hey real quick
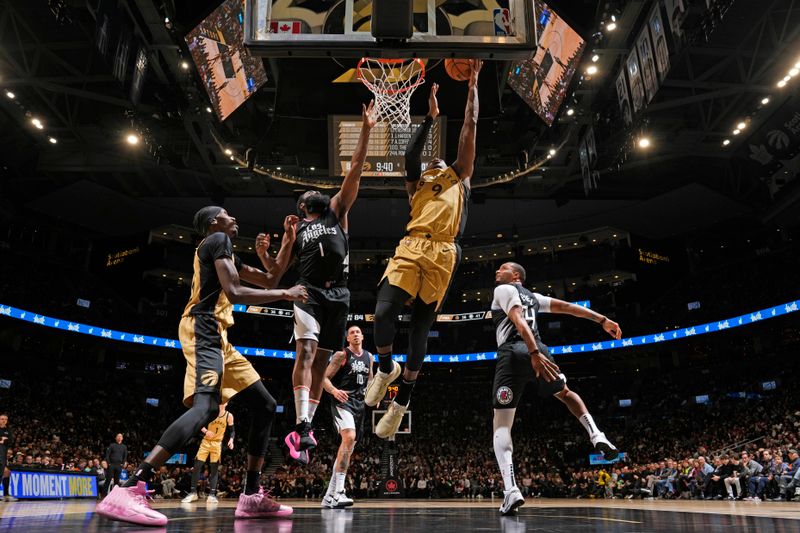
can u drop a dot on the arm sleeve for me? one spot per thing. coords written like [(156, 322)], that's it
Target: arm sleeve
[(230, 432), (506, 297), (414, 150), (544, 302)]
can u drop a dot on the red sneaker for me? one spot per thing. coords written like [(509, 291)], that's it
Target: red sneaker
[(260, 505), (129, 504)]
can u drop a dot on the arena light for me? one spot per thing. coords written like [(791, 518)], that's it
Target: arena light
[(595, 58), (37, 123), (591, 70), (644, 142), (185, 65), (794, 72), (782, 84), (726, 142), (52, 140), (312, 169), (737, 131), (611, 26), (765, 100), (232, 158), (228, 151), (132, 139), (570, 112), (10, 95), (741, 126), (552, 151), (209, 110)]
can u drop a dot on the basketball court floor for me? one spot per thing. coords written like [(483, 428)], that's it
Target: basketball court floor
[(435, 516)]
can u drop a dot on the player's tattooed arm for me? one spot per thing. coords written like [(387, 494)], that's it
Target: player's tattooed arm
[(336, 362)]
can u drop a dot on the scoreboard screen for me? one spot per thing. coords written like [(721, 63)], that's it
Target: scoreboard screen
[(387, 144)]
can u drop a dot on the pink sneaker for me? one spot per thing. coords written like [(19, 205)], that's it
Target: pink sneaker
[(260, 505), (129, 504), (292, 441)]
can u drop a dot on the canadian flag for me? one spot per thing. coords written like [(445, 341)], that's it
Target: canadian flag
[(284, 26)]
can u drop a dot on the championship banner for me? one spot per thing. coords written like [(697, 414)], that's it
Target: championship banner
[(647, 61), (622, 96), (675, 11), (660, 39), (43, 485), (635, 79)]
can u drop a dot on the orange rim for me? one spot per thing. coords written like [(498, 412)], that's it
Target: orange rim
[(371, 86)]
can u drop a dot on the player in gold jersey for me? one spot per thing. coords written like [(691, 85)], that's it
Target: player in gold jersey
[(218, 430), (426, 258)]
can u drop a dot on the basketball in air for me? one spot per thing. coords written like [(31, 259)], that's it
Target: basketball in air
[(458, 69)]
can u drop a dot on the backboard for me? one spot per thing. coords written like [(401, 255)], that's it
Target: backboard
[(488, 29)]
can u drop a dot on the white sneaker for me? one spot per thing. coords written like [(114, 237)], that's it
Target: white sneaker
[(192, 497), (338, 500), (376, 389), (512, 501), (390, 422), (211, 499), (603, 445)]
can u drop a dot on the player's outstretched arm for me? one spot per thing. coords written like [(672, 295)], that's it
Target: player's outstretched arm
[(336, 362), (566, 308), (275, 267), (239, 294), (413, 154), (344, 199), (465, 161)]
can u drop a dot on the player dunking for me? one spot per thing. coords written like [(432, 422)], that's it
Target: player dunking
[(322, 251), (219, 430), (346, 379), (523, 358), (426, 258), (215, 371)]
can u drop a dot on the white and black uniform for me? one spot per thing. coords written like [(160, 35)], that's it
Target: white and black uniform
[(514, 371), (322, 252), (351, 378)]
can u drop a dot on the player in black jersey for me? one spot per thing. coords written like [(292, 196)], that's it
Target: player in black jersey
[(523, 358), (346, 380), (321, 254), (215, 370)]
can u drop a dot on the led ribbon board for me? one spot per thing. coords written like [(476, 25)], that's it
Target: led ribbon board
[(652, 338)]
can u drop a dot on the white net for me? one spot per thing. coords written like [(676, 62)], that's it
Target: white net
[(392, 81)]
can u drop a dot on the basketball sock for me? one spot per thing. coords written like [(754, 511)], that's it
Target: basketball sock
[(251, 480), (588, 424), (503, 452), (332, 482), (385, 362), (198, 468), (301, 403), (404, 392), (312, 408), (142, 473), (339, 477)]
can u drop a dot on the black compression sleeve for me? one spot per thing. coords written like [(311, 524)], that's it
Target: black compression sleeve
[(414, 150)]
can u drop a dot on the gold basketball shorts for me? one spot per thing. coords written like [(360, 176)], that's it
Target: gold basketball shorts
[(423, 267), (209, 449), (212, 363)]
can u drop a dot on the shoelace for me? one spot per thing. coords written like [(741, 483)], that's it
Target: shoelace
[(142, 498)]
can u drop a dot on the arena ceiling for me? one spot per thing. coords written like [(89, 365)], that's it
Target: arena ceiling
[(687, 180)]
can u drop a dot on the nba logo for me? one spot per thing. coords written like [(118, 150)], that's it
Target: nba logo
[(502, 22)]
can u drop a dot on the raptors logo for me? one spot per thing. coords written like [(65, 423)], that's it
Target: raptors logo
[(504, 396), (391, 485), (209, 378)]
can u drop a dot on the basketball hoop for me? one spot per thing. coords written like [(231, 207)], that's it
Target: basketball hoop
[(392, 81)]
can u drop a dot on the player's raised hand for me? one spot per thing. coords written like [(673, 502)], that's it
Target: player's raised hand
[(612, 328), (369, 116), (262, 244), (290, 226), (477, 64), (433, 103), (544, 367)]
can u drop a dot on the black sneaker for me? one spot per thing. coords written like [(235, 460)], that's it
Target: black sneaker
[(307, 440)]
